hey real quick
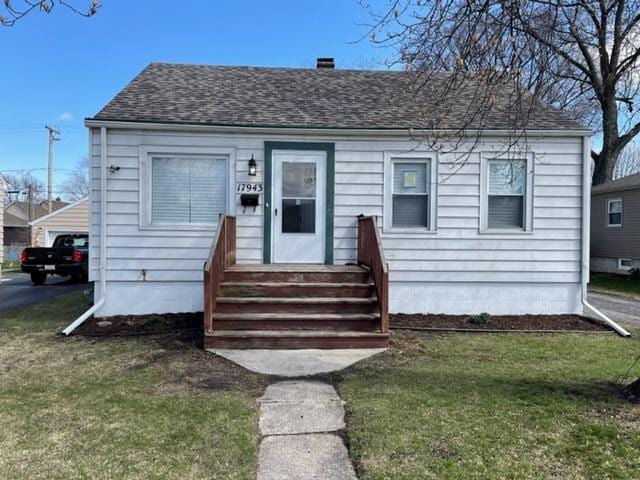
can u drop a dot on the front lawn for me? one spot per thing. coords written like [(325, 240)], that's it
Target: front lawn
[(509, 406), (618, 284), (150, 407)]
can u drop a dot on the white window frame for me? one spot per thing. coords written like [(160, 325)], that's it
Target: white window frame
[(625, 267), (429, 158), (485, 159), (609, 202), (147, 152)]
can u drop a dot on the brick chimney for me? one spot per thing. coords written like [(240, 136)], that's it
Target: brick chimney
[(325, 62)]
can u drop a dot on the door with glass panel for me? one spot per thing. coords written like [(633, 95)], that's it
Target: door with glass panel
[(298, 213)]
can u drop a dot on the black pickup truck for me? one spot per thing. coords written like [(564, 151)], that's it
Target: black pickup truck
[(69, 256)]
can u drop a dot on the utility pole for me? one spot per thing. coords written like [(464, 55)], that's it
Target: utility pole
[(52, 138)]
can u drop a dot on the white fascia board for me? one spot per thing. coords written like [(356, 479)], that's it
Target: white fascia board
[(416, 133)]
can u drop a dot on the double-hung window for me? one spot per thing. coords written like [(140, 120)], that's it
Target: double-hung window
[(507, 200), (187, 190), (408, 193), (614, 212)]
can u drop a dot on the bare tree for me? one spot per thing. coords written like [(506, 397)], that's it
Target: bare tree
[(16, 10), (628, 161), (76, 185), (578, 55), (22, 183)]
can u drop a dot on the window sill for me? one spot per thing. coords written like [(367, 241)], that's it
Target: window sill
[(615, 226), (505, 232), (411, 230)]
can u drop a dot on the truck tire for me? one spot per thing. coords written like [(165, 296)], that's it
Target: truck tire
[(38, 278)]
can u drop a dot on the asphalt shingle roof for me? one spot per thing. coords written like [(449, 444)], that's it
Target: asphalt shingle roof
[(625, 183), (306, 98)]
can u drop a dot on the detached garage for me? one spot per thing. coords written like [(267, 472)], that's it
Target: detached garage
[(74, 218)]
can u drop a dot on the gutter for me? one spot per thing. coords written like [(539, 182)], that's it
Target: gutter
[(103, 233), (586, 217)]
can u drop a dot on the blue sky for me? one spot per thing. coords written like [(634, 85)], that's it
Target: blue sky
[(60, 68)]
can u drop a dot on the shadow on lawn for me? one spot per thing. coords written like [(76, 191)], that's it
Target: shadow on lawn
[(481, 386)]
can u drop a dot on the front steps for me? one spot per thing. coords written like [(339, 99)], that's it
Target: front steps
[(296, 306)]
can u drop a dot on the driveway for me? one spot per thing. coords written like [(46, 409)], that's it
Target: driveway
[(620, 309), (16, 290)]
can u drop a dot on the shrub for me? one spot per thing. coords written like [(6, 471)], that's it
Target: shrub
[(479, 318)]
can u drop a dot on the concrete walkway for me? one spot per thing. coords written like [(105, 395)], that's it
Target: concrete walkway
[(299, 421), (623, 310), (296, 363)]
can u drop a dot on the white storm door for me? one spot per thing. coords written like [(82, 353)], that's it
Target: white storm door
[(299, 203)]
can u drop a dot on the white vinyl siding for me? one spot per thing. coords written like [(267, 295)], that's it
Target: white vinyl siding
[(614, 212), (453, 265), (186, 190)]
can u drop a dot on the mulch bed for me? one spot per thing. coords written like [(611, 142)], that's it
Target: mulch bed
[(141, 324), (497, 322), (192, 322)]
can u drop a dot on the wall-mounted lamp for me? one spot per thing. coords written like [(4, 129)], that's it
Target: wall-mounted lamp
[(252, 166), (113, 168)]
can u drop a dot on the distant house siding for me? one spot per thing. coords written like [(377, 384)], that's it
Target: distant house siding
[(74, 218), (615, 242), (454, 270)]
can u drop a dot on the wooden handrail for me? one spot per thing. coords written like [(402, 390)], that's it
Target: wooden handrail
[(371, 254), (221, 255)]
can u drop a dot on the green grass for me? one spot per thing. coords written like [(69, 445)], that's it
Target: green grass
[(487, 406), (151, 407), (8, 266), (615, 284)]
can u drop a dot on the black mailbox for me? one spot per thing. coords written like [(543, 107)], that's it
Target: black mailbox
[(249, 200)]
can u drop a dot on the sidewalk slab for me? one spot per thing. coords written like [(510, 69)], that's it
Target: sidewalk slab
[(295, 407), (304, 457)]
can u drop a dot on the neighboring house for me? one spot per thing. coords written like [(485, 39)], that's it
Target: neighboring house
[(72, 218), (615, 225), (17, 217), (502, 232)]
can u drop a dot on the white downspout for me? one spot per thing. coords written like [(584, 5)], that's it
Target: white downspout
[(586, 233), (103, 232)]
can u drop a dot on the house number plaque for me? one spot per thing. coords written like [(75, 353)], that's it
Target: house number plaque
[(249, 187)]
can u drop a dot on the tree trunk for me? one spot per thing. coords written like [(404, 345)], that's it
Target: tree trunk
[(611, 144)]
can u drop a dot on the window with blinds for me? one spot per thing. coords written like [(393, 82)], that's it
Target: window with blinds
[(506, 194), (410, 202), (188, 190)]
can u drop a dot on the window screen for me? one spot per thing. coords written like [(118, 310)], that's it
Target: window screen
[(507, 185), (410, 194), (188, 190), (615, 212)]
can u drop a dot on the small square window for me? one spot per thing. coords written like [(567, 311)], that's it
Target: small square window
[(614, 212), (625, 264)]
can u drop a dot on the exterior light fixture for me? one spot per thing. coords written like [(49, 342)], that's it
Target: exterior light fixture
[(252, 166)]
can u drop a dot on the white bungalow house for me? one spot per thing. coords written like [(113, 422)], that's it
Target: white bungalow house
[(293, 157)]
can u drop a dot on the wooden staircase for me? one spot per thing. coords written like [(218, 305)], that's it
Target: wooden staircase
[(292, 305)]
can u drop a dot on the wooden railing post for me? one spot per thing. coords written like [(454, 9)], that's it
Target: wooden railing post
[(221, 255), (371, 254)]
